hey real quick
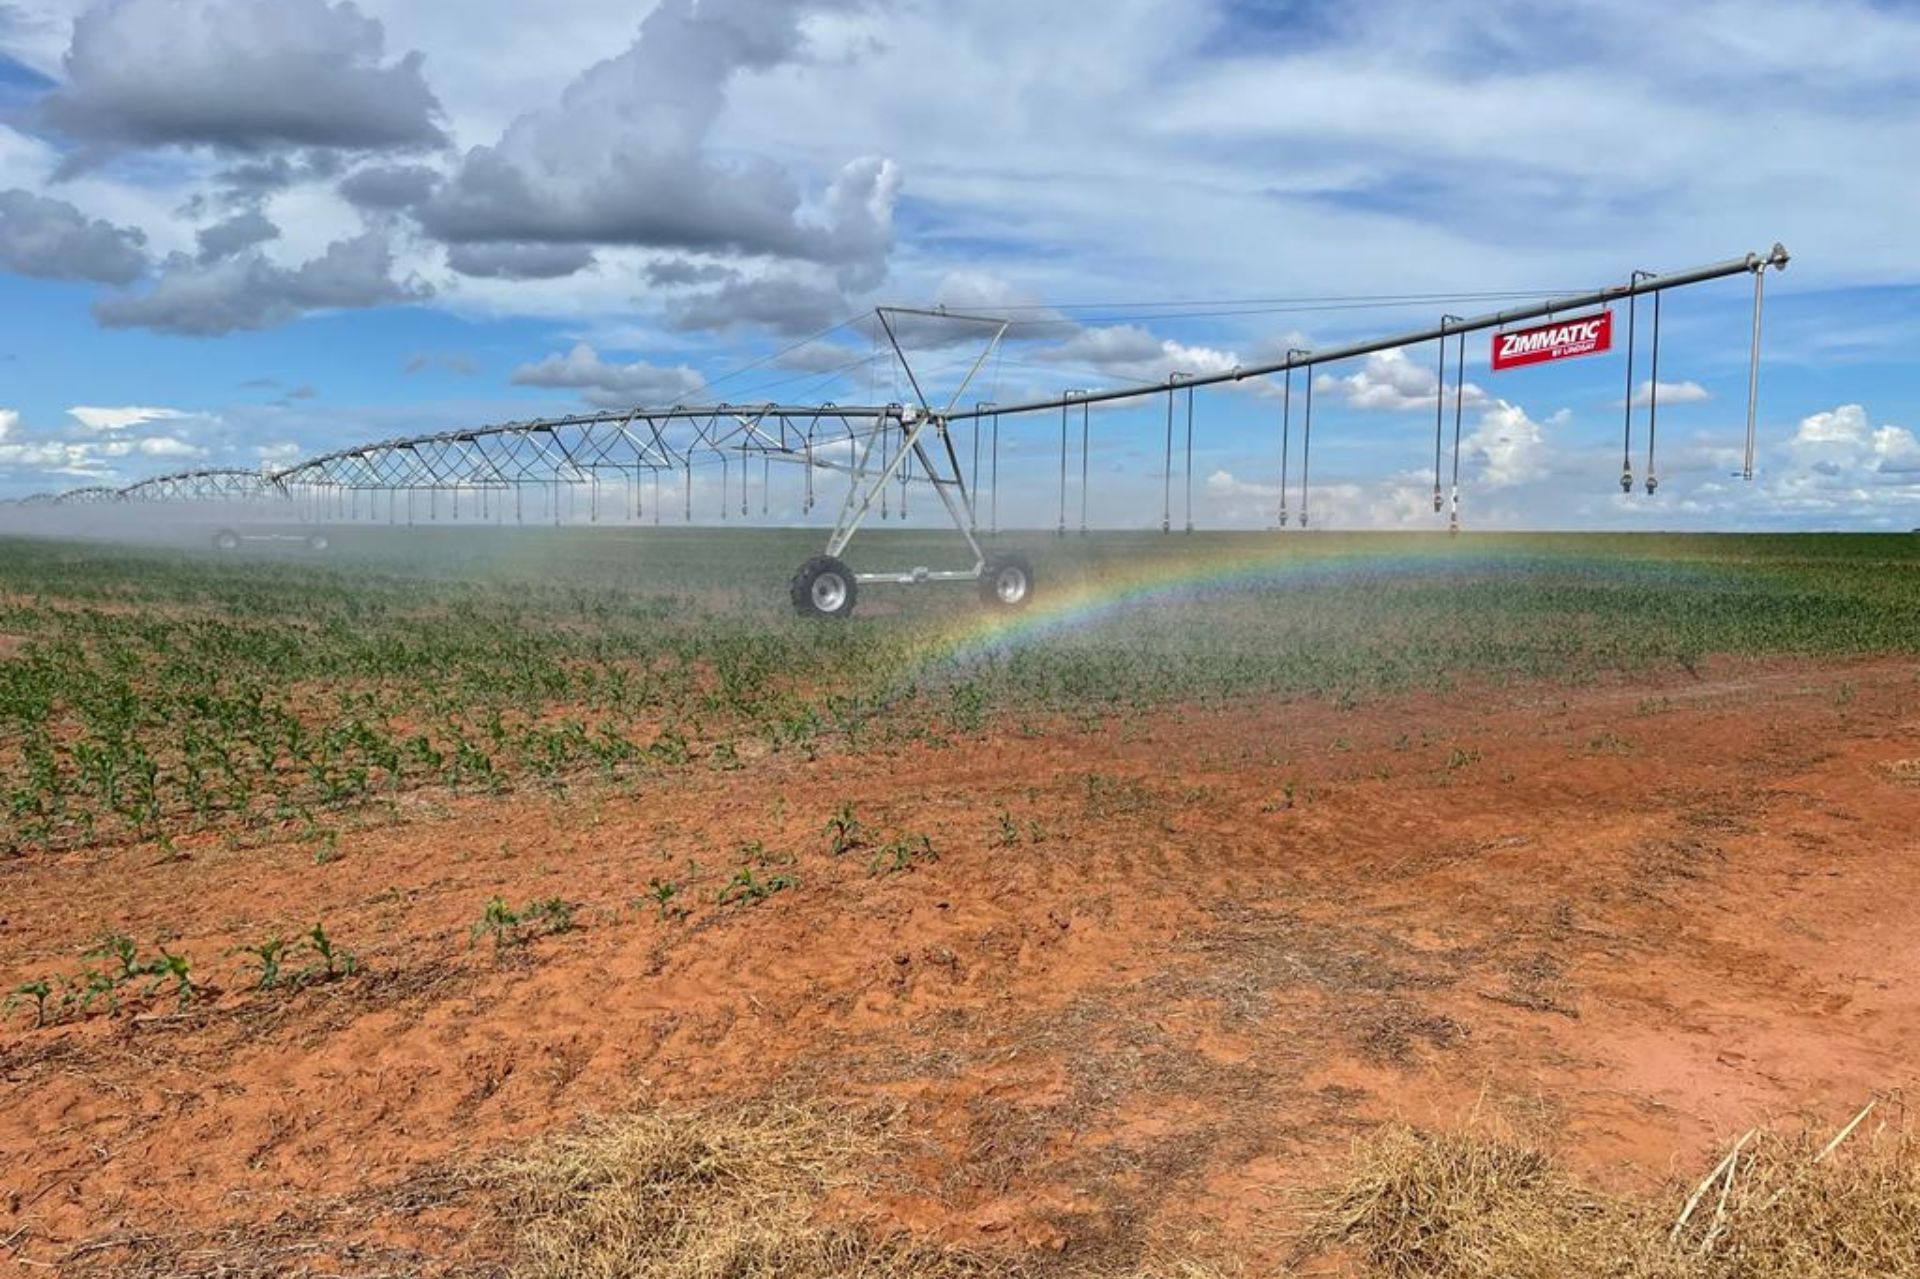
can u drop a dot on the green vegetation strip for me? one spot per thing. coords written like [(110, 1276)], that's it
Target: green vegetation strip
[(145, 694)]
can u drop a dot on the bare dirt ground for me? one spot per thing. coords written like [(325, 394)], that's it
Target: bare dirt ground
[(1162, 972)]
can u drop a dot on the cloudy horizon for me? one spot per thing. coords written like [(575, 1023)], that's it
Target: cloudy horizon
[(237, 232)]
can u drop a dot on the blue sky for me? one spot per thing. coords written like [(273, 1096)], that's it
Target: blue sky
[(314, 223)]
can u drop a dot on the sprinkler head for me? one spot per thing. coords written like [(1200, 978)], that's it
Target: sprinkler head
[(1653, 486), (1438, 503), (1626, 481), (1303, 519)]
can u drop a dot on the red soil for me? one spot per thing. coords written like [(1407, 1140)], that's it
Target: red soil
[(1626, 920)]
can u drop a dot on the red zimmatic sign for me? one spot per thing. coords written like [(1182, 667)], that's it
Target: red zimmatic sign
[(1560, 340)]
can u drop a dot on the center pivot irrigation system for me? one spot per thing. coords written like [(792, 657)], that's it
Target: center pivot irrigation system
[(875, 446)]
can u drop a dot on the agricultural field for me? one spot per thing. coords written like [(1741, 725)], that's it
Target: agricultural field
[(475, 902)]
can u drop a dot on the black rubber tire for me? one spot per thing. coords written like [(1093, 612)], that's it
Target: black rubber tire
[(317, 542), (1007, 584), (226, 540), (824, 587)]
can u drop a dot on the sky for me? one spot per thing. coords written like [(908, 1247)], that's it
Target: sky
[(240, 232)]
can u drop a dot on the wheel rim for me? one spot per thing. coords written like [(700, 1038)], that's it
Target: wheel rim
[(829, 592), (1010, 586)]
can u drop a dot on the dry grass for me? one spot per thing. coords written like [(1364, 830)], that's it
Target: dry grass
[(1904, 770), (707, 1195), (768, 1192), (1429, 1206)]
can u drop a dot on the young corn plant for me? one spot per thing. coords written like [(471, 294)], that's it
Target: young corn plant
[(902, 853), (662, 893), (845, 832), (264, 959), (748, 889), (509, 927), (172, 968), (329, 962), (38, 992)]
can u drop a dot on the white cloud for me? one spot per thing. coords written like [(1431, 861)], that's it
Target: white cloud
[(197, 298), (169, 446), (242, 75), (611, 385), (1841, 444), (119, 419), (1397, 502), (1389, 381), (1846, 426), (1507, 447), (1129, 353), (53, 240), (9, 418), (1671, 393), (624, 157)]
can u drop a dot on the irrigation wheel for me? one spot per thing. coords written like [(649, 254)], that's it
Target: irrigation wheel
[(1008, 583), (317, 542), (226, 540), (824, 587)]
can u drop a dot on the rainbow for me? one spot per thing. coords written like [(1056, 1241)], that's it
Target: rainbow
[(1247, 563)]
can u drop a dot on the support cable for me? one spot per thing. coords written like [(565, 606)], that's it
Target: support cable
[(1189, 457), (1653, 399), (994, 509), (1753, 376), (1439, 410), (1086, 416), (1626, 437), (1166, 486), (1459, 412), (1064, 411), (1306, 450)]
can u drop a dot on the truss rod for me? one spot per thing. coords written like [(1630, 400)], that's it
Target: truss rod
[(1754, 262)]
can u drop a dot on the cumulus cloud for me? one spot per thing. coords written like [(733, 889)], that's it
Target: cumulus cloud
[(192, 298), (390, 187), (1130, 353), (238, 233), (623, 158), (169, 446), (1120, 344), (1508, 447), (1842, 444), (51, 457), (53, 240), (611, 385), (47, 456), (669, 273), (1670, 393), (1388, 381), (819, 357), (251, 181), (786, 302), (519, 261), (240, 75), (1392, 503)]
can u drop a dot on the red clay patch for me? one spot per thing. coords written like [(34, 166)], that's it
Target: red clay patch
[(1150, 974)]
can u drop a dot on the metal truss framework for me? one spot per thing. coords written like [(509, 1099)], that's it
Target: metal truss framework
[(628, 453)]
